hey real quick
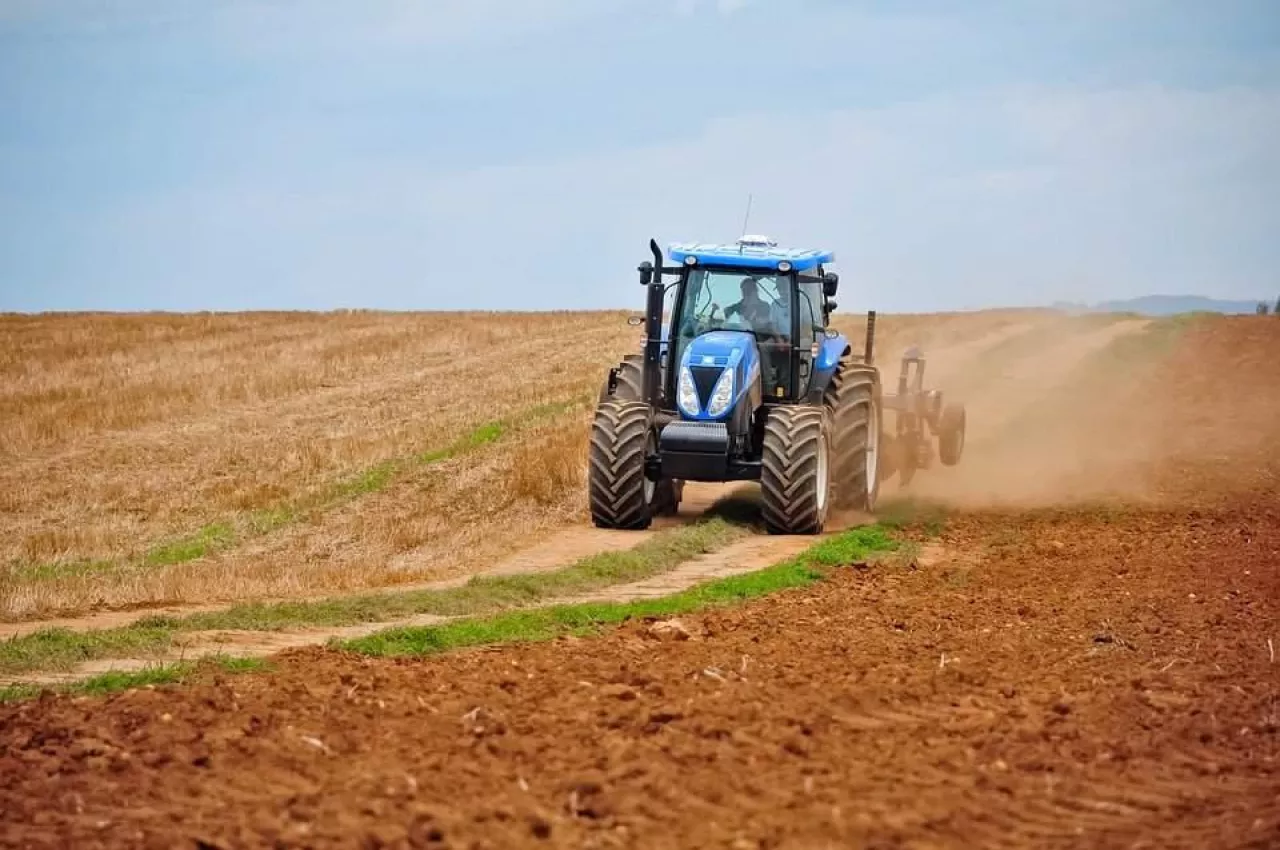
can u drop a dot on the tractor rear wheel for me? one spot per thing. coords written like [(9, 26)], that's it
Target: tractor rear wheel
[(853, 401), (795, 476), (619, 494), (951, 434)]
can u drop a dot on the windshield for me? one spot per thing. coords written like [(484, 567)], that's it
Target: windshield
[(740, 301), (721, 300)]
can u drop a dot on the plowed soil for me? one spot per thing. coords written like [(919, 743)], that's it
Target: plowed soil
[(1043, 674), (1058, 681)]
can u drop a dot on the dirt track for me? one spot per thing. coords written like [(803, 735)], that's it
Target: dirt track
[(1060, 677)]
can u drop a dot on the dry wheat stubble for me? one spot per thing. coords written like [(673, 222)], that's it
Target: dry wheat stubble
[(98, 493)]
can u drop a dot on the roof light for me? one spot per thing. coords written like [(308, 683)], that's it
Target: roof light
[(691, 260), (784, 266)]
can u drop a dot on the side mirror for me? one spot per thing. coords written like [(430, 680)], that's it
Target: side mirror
[(646, 273), (831, 306), (830, 283), (635, 321)]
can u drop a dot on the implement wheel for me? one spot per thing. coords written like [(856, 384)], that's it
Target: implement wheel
[(951, 434)]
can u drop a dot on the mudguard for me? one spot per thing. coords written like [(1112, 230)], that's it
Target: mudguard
[(824, 366)]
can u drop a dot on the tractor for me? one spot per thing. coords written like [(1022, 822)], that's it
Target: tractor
[(747, 382)]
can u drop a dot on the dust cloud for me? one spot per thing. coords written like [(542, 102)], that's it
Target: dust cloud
[(1070, 409)]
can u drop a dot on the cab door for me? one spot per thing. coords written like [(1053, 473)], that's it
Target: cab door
[(809, 331)]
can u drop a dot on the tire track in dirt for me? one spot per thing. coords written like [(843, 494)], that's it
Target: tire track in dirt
[(753, 553), (555, 552)]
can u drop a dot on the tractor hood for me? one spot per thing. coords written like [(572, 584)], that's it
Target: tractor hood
[(715, 370)]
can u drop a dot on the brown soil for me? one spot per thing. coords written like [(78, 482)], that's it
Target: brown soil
[(1071, 683)]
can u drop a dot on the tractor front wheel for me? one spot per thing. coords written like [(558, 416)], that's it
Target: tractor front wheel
[(619, 494), (795, 477)]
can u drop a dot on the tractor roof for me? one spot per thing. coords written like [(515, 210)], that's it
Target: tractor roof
[(755, 252)]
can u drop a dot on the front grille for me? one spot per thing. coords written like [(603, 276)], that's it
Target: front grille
[(704, 380)]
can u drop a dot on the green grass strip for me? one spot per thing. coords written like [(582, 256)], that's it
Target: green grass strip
[(160, 674), (60, 649), (582, 619), (220, 536), (590, 618)]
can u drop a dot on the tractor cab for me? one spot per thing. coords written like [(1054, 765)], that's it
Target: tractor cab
[(768, 304)]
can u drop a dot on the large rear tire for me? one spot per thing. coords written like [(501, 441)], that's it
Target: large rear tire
[(630, 387), (619, 494), (853, 402), (795, 477), (630, 380)]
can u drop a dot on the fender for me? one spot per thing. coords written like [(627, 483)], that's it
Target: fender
[(824, 367)]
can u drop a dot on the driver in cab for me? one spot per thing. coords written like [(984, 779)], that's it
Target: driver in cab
[(757, 313), (751, 308)]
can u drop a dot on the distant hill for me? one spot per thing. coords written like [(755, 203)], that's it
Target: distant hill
[(1163, 305)]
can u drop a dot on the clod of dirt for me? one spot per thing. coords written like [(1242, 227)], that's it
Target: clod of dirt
[(619, 692), (669, 630), (540, 827)]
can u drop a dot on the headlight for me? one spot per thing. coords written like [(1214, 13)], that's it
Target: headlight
[(721, 395), (686, 393)]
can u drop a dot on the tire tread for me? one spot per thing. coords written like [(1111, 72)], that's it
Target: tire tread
[(619, 436)]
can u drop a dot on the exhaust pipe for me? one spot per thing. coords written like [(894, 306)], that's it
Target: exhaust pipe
[(653, 328)]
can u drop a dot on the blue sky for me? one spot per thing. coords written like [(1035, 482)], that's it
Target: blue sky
[(492, 154)]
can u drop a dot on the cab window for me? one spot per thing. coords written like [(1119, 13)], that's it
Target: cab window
[(810, 310)]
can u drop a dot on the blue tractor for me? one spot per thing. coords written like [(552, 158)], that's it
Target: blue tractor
[(746, 382)]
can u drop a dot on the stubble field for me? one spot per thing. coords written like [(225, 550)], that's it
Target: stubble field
[(1069, 639)]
